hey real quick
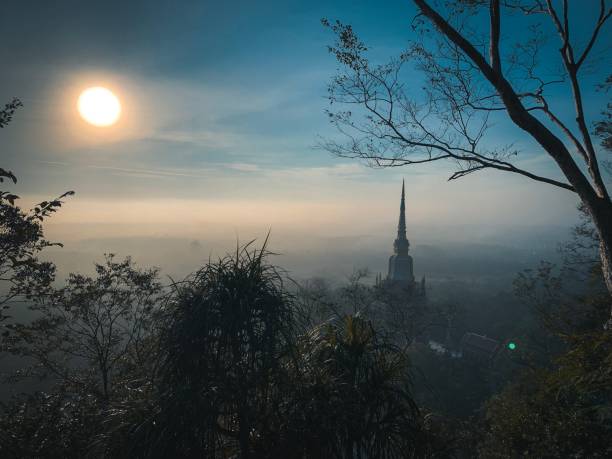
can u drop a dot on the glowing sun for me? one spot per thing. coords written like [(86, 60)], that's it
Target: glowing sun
[(99, 106)]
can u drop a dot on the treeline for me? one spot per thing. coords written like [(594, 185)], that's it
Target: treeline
[(237, 361)]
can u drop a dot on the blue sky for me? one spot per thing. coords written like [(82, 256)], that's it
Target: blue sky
[(223, 103)]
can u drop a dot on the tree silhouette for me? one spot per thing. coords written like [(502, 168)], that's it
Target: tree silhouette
[(90, 332), (22, 275), (221, 357), (560, 403), (351, 396), (388, 125)]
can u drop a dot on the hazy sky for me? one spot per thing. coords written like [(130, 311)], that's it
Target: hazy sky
[(222, 104)]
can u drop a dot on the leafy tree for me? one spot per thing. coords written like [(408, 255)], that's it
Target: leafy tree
[(94, 333), (402, 317), (317, 301), (567, 298), (22, 274), (463, 91), (561, 404), (562, 411)]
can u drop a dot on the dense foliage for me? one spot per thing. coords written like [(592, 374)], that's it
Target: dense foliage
[(230, 363)]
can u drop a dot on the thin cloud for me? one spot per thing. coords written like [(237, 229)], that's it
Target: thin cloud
[(152, 173)]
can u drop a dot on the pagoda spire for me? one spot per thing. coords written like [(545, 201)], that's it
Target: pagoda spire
[(401, 244), (401, 227)]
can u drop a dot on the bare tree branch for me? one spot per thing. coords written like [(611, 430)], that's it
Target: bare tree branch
[(495, 29), (603, 17), (447, 117)]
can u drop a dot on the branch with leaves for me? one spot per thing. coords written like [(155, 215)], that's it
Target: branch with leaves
[(22, 275)]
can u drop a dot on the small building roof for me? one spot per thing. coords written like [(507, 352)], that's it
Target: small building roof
[(480, 345)]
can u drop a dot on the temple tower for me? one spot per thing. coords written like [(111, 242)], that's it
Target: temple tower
[(400, 263)]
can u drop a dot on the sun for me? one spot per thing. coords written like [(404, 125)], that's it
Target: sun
[(99, 106)]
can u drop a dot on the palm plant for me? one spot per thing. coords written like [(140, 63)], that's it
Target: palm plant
[(354, 400), (222, 349)]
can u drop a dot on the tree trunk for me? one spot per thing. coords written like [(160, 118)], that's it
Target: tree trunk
[(598, 204), (244, 434), (601, 214)]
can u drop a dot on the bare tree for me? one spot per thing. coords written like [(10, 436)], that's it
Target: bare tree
[(465, 90)]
